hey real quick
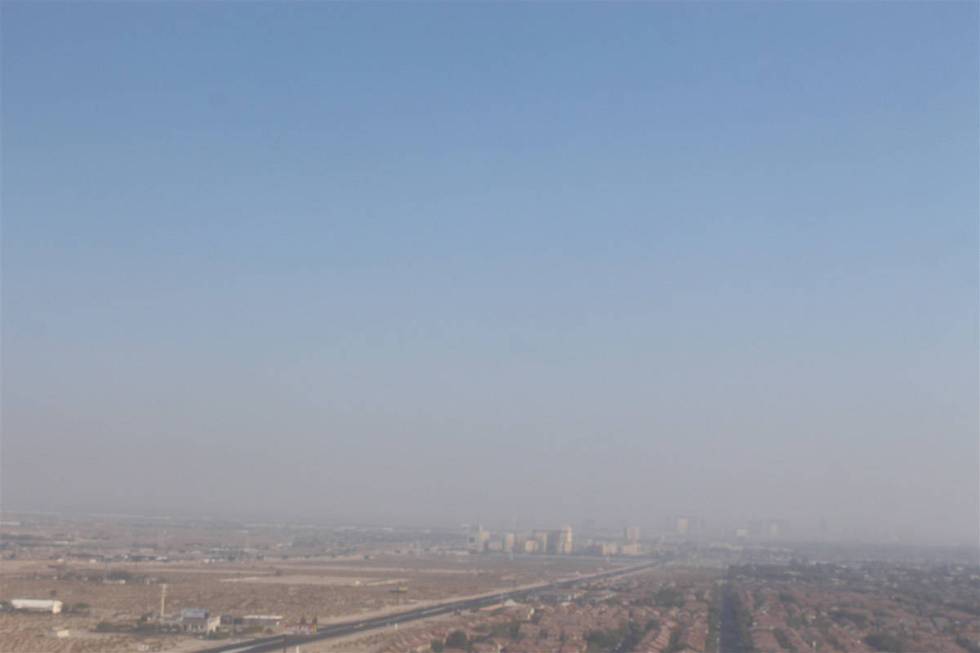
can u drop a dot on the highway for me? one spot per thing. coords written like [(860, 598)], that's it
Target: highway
[(281, 642)]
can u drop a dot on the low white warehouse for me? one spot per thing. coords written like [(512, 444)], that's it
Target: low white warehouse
[(37, 605)]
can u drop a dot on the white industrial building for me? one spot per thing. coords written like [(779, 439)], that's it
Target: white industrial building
[(198, 620), (37, 605), (264, 620)]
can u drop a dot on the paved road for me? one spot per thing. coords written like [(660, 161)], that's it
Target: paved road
[(730, 638), (280, 642)]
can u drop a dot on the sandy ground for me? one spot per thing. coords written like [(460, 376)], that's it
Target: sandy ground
[(298, 579), (294, 589)]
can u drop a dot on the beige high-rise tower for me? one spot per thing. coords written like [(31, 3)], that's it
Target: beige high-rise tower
[(565, 541)]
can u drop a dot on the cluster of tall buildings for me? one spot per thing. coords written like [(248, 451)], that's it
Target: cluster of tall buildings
[(760, 529), (630, 546), (687, 526), (593, 541), (554, 542)]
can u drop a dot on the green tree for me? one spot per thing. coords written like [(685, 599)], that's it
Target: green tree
[(457, 639), (669, 597)]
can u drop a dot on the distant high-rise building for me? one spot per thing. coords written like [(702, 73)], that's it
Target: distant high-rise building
[(507, 543), (554, 542), (604, 548), (682, 525), (477, 540), (632, 549), (544, 540), (777, 528), (631, 534), (565, 541)]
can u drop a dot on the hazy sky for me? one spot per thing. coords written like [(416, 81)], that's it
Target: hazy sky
[(539, 262)]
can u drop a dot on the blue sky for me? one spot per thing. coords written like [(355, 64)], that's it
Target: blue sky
[(607, 259)]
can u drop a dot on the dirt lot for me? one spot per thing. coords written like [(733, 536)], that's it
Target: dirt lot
[(329, 587)]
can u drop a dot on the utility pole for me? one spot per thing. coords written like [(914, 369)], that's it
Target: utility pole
[(163, 601)]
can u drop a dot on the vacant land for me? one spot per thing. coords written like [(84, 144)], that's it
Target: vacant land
[(111, 577)]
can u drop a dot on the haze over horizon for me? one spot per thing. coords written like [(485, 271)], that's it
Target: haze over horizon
[(441, 264)]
